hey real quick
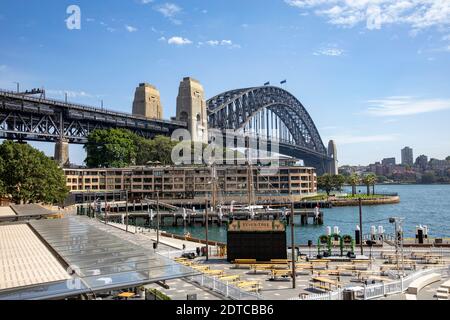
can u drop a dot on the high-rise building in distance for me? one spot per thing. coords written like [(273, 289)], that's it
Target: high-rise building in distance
[(422, 162), (407, 156), (389, 162)]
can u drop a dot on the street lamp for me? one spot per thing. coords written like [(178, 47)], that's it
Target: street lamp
[(206, 230), (294, 273), (360, 227), (126, 208), (157, 218), (398, 242)]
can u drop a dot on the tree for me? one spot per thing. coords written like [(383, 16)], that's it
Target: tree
[(354, 180), (157, 150), (111, 148), (338, 182), (429, 177), (329, 182), (369, 181), (29, 176), (448, 158), (325, 183)]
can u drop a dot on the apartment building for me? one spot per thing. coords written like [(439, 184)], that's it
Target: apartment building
[(190, 183)]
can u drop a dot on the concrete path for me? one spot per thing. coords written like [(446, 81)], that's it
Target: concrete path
[(152, 235)]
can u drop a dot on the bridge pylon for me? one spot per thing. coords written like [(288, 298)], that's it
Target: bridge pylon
[(332, 153), (62, 152), (191, 108)]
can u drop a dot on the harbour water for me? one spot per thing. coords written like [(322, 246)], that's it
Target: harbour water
[(420, 204)]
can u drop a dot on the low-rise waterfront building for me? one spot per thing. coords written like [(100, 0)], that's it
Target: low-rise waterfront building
[(188, 184)]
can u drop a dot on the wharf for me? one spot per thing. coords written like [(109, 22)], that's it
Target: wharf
[(169, 214)]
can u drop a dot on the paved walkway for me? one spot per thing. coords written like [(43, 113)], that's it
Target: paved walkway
[(180, 288), (152, 235)]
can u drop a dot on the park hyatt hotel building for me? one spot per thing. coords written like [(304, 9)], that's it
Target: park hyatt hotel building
[(183, 185)]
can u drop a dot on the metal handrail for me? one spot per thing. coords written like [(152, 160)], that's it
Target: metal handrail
[(378, 290)]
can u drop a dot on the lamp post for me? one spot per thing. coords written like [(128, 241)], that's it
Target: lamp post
[(360, 227), (206, 230), (106, 208), (126, 209), (294, 275), (157, 218), (398, 243)]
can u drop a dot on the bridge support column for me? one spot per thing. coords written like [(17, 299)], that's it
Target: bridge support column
[(62, 152)]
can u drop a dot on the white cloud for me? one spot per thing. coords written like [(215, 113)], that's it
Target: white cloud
[(146, 1), (225, 43), (404, 106), (70, 94), (418, 14), (130, 28), (332, 51), (212, 43), (179, 41), (168, 10), (354, 139)]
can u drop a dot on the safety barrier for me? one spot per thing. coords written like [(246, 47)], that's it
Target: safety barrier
[(379, 290), (224, 289)]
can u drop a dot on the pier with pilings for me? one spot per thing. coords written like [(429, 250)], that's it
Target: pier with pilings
[(170, 215)]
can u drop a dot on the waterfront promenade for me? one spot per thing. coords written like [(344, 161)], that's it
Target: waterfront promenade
[(344, 274)]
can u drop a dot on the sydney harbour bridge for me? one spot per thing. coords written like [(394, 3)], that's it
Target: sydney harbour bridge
[(267, 113)]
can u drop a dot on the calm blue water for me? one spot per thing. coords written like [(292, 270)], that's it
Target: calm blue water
[(420, 204)]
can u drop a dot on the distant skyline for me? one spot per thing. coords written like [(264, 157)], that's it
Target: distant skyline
[(374, 74), (398, 158)]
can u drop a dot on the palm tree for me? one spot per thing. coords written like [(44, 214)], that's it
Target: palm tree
[(354, 180), (369, 181)]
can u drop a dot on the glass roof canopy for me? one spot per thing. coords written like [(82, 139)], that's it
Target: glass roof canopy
[(101, 260)]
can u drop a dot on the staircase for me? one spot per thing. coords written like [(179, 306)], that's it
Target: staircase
[(443, 292)]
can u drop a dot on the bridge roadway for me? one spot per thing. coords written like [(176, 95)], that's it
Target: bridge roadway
[(25, 117), (30, 118)]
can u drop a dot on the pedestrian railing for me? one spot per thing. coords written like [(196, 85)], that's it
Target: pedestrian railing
[(225, 289), (333, 295), (379, 290), (399, 286)]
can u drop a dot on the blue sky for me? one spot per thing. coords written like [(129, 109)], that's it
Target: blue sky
[(374, 74)]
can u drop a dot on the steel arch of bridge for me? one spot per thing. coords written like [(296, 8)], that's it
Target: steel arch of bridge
[(232, 110)]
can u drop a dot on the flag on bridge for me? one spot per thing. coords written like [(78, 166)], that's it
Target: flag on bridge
[(283, 82)]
